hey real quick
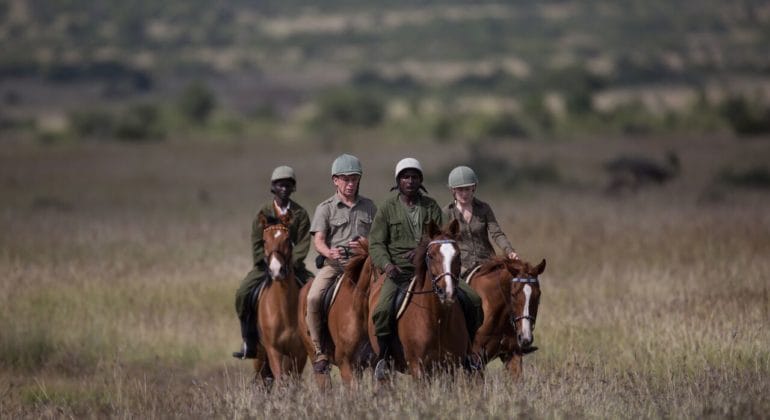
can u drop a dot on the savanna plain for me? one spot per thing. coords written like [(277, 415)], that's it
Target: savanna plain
[(119, 262)]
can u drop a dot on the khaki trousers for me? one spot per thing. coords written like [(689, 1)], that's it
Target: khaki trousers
[(323, 280)]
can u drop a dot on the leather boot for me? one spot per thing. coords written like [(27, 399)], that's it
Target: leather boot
[(250, 336), (320, 361), (382, 369)]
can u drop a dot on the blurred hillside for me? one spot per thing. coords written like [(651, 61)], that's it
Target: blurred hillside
[(429, 69)]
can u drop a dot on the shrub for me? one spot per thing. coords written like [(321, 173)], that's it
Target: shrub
[(746, 117), (197, 102), (348, 107), (753, 177), (139, 122), (92, 123)]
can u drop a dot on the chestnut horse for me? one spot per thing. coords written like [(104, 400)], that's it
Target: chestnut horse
[(280, 352), (510, 295), (349, 347), (432, 328)]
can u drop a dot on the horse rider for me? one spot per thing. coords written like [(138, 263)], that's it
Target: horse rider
[(338, 222), (396, 232), (477, 221), (282, 184)]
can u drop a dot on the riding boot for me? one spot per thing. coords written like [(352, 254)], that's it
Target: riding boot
[(250, 336), (469, 313), (320, 360), (382, 370)]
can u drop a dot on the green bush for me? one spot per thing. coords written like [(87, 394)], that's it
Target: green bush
[(753, 177), (92, 123), (139, 122), (347, 107), (197, 102), (746, 117)]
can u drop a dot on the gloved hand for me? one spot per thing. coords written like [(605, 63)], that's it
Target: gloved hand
[(393, 271)]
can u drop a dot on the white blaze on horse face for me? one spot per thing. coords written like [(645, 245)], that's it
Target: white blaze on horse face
[(526, 324), (448, 251), (275, 266)]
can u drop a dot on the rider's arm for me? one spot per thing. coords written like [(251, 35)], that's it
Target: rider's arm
[(379, 238), (257, 242), (496, 233), (302, 247)]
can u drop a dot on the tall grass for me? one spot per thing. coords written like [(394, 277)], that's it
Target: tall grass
[(119, 303)]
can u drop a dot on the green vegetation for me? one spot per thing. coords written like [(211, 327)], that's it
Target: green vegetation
[(547, 69)]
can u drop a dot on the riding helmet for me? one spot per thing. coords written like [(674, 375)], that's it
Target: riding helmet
[(347, 164), (462, 176)]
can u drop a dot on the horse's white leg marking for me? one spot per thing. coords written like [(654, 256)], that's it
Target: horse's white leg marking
[(526, 324), (448, 251)]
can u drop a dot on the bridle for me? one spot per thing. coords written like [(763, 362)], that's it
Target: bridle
[(522, 280), (272, 228), (439, 291)]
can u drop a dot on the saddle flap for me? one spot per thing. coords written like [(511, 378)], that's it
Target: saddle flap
[(403, 297)]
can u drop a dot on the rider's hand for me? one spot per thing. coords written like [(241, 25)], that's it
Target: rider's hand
[(335, 253), (513, 255), (392, 270)]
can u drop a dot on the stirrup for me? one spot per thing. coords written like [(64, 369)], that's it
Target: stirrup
[(245, 353), (382, 370), (475, 363)]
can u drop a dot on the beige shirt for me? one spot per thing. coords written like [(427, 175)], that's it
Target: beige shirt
[(341, 223)]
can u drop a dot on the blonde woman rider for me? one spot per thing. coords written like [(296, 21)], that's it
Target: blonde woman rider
[(477, 221)]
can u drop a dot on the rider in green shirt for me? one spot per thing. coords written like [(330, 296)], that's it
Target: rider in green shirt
[(283, 183), (396, 232)]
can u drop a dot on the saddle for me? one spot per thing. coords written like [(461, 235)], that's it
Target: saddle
[(328, 299)]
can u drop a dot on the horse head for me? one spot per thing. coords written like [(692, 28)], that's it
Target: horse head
[(441, 259), (525, 298), (278, 246)]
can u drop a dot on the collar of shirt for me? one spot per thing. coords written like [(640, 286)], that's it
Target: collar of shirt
[(281, 211), (338, 202)]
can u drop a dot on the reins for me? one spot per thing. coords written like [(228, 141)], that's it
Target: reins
[(435, 279)]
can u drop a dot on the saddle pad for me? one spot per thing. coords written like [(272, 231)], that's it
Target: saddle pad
[(407, 298), (470, 275)]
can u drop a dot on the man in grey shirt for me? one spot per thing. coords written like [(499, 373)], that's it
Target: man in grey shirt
[(337, 224)]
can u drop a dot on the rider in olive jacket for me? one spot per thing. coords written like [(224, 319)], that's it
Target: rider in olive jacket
[(396, 231), (283, 183)]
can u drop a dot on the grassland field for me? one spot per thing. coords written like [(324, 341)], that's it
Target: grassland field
[(118, 265)]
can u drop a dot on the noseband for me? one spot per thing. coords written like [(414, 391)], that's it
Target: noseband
[(439, 291), (514, 318)]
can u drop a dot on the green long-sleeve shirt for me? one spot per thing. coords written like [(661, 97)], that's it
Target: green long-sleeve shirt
[(299, 230), (391, 236)]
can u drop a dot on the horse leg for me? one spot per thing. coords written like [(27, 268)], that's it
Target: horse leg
[(275, 359), (262, 371), (346, 373), (514, 366)]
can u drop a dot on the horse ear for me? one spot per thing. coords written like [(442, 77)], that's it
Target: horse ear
[(540, 268), (262, 219), (454, 228), (432, 229)]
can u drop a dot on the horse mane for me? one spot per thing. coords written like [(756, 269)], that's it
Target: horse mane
[(513, 266), (356, 262), (419, 259)]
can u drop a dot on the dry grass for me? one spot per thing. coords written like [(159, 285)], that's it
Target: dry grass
[(117, 275)]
